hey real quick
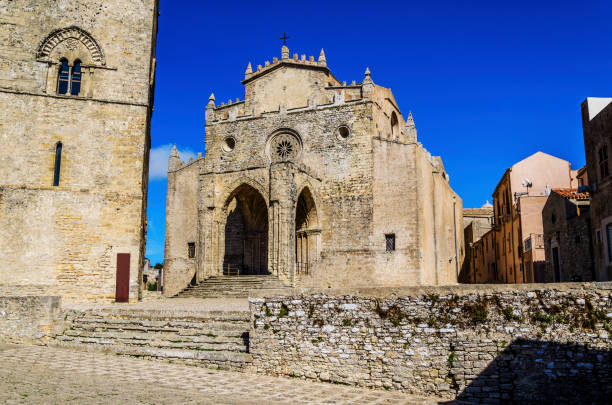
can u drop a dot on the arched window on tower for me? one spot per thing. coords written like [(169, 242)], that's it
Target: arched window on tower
[(394, 126), (58, 164), (75, 78), (63, 80)]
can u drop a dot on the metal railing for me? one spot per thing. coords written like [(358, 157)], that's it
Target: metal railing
[(231, 270)]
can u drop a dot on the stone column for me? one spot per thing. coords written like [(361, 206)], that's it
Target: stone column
[(281, 247), (208, 225)]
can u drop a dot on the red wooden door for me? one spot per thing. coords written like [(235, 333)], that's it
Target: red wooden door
[(122, 291)]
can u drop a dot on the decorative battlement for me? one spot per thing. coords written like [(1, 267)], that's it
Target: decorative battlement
[(250, 74), (291, 91), (176, 163)]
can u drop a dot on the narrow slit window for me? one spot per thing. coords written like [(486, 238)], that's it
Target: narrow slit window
[(58, 164), (390, 242), (609, 232), (604, 171), (75, 79), (394, 125), (63, 78), (191, 249)]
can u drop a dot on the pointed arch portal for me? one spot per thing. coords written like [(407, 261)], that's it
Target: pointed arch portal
[(246, 233), (307, 233)]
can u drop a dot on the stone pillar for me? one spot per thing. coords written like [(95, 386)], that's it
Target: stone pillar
[(281, 247), (208, 226)]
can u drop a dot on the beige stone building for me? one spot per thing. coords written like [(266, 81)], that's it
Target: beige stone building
[(597, 128), (76, 90), (477, 222), (567, 236), (518, 201), (314, 182)]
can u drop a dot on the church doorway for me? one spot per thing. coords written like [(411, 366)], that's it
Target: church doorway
[(246, 233), (307, 233)]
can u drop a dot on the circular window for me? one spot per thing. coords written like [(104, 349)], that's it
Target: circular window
[(284, 147), (343, 132), (229, 144)]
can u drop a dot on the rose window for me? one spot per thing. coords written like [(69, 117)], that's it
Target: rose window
[(284, 147)]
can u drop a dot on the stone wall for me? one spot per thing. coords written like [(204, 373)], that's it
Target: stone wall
[(28, 319), (494, 344), (181, 214)]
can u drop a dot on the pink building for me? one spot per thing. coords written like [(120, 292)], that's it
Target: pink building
[(518, 201)]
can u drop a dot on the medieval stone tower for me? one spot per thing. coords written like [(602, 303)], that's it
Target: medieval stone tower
[(76, 90), (312, 181)]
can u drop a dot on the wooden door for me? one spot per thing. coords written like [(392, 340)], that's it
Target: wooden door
[(122, 291)]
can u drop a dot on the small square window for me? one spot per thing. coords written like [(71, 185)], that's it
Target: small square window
[(390, 242), (191, 249)]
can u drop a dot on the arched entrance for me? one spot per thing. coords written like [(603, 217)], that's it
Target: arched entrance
[(307, 233), (246, 233)]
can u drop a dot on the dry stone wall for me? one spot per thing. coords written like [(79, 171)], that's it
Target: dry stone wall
[(495, 345)]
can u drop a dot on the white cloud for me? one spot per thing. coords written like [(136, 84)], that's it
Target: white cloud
[(158, 160)]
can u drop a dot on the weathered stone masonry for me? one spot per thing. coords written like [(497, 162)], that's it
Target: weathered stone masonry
[(305, 181), (493, 345), (63, 239)]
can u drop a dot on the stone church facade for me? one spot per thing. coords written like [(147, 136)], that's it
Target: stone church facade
[(76, 89), (312, 181)]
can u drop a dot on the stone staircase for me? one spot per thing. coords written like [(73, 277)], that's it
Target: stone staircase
[(213, 338), (230, 286)]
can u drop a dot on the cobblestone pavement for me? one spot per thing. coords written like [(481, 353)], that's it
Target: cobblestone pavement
[(46, 375)]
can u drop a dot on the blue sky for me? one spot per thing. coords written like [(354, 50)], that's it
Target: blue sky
[(488, 82)]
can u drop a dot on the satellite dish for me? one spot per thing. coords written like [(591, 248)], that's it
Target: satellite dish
[(526, 183)]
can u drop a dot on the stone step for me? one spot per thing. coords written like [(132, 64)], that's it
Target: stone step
[(173, 338), (230, 286), (238, 359), (217, 294), (128, 342), (224, 328), (159, 318), (218, 338)]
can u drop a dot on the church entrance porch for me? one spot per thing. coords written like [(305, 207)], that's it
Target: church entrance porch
[(246, 233)]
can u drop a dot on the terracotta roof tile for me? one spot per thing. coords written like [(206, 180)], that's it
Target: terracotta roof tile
[(571, 193)]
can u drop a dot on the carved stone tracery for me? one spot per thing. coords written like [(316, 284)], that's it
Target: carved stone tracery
[(284, 147)]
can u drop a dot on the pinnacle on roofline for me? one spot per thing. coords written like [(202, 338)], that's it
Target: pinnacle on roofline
[(211, 100), (367, 79), (410, 120), (322, 61)]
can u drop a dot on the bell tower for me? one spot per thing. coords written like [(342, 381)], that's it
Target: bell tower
[(77, 95)]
